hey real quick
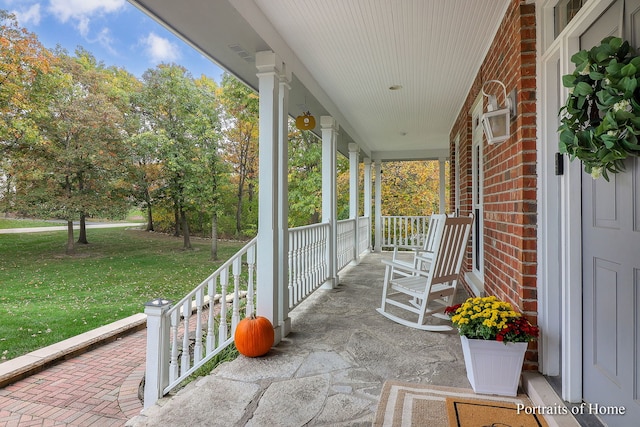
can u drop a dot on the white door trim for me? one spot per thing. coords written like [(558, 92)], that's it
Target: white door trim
[(475, 276), (569, 223), (548, 202)]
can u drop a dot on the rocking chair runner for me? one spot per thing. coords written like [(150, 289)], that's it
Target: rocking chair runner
[(435, 288)]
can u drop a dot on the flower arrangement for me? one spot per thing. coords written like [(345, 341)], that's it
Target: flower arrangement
[(488, 318), (600, 121)]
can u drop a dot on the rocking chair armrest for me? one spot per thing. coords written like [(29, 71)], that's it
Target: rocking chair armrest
[(423, 257), (404, 267)]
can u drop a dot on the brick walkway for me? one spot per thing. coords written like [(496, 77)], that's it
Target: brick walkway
[(97, 388)]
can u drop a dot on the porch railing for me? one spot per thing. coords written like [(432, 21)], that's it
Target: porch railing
[(403, 230), (346, 242), (308, 260), (182, 337), (364, 234)]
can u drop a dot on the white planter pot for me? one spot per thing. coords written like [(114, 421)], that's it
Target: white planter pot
[(493, 367)]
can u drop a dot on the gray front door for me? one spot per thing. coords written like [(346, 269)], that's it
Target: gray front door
[(611, 264)]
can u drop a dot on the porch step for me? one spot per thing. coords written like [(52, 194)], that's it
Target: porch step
[(542, 395)]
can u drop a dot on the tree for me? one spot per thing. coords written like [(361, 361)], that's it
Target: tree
[(182, 116), (166, 101), (146, 173), (205, 126), (240, 128), (76, 167), (411, 188), (305, 177), (22, 60)]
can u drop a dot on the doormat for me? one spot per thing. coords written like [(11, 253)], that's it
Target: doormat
[(476, 412), (411, 404)]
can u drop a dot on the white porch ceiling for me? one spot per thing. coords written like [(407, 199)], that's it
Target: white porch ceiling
[(345, 54)]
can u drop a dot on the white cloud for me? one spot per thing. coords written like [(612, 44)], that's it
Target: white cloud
[(81, 11), (103, 38), (28, 16), (160, 49), (66, 9)]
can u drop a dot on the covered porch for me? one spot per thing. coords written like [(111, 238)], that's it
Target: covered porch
[(329, 370)]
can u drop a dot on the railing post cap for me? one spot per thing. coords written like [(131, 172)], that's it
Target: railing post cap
[(158, 303)]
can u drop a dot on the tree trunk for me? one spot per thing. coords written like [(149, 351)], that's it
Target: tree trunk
[(70, 250), (239, 209), (149, 210), (176, 216), (214, 236), (185, 230), (149, 218), (82, 237)]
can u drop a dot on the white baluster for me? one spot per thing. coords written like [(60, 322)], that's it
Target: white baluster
[(197, 348), (223, 329), (185, 362), (297, 267), (173, 364), (251, 263), (291, 269), (235, 316), (210, 327)]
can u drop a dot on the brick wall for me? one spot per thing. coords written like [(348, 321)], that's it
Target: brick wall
[(509, 168)]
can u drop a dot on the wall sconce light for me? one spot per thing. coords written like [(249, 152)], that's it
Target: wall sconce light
[(496, 121)]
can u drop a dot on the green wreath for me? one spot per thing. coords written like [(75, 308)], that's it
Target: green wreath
[(601, 118)]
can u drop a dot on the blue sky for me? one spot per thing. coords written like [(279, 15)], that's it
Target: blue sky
[(114, 31)]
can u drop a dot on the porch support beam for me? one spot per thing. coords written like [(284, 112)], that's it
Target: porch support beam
[(329, 129), (378, 203), (268, 245), (283, 200), (354, 196), (443, 202), (367, 197)]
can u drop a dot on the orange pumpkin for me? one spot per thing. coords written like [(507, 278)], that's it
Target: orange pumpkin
[(254, 336), (305, 121)]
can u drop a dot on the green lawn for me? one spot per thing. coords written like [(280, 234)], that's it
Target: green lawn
[(46, 296)]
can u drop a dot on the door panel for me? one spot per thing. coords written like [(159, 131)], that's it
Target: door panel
[(611, 262), (605, 288), (604, 212)]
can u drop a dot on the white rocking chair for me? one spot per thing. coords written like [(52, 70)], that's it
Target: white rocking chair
[(421, 255), (433, 289)]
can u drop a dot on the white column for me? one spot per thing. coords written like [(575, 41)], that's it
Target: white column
[(354, 196), (329, 194), (443, 202), (283, 200), (269, 67), (378, 202), (367, 197)]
